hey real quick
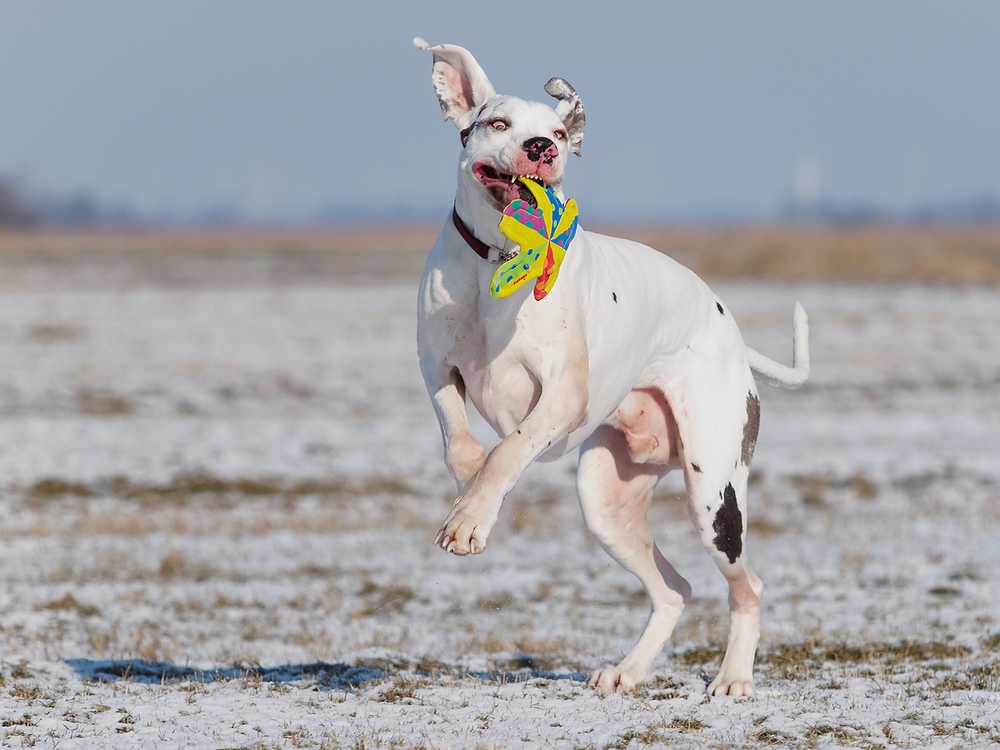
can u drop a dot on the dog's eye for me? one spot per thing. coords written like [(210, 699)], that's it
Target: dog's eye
[(560, 135), (498, 125)]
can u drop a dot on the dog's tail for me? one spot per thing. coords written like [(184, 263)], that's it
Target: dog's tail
[(777, 374)]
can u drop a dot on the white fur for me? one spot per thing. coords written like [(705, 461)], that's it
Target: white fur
[(631, 357)]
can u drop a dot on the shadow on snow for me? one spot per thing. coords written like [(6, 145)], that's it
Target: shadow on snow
[(320, 675)]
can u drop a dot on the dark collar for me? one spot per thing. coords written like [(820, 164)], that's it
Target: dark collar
[(481, 248)]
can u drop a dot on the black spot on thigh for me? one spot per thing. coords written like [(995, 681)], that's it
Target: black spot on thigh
[(721, 311), (614, 297), (750, 428), (728, 526)]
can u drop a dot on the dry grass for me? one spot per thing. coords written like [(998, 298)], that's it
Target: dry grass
[(69, 602), (107, 258), (877, 253), (184, 486), (104, 258), (384, 599), (796, 661), (814, 488), (202, 503), (66, 243)]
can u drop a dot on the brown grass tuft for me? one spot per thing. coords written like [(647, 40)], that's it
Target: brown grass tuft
[(185, 486), (796, 660), (815, 486), (70, 602)]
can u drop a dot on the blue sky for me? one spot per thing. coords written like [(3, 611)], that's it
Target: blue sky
[(709, 109)]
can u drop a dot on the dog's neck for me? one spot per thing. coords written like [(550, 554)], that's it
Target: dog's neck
[(478, 246), (479, 226)]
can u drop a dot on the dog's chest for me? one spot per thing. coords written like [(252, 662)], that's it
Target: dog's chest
[(496, 358), (497, 345)]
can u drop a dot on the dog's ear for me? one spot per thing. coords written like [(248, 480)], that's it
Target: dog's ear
[(570, 110), (460, 84)]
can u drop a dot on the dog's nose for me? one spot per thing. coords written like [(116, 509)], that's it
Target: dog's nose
[(540, 148)]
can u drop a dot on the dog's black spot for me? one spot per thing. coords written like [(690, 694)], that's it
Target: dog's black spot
[(614, 297), (728, 526), (750, 428), (696, 468), (721, 311), (464, 135)]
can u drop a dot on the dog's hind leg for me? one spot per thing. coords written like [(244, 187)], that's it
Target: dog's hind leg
[(719, 431), (614, 495), (720, 518)]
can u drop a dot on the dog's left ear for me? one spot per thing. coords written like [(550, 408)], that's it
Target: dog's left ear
[(570, 110), (459, 82)]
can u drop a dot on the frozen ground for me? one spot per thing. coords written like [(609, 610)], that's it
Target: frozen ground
[(218, 502)]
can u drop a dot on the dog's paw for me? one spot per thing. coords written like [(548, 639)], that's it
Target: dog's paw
[(614, 680), (465, 530), (734, 687)]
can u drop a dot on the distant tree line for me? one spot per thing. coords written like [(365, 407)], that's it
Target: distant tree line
[(19, 208), (981, 209), (15, 208)]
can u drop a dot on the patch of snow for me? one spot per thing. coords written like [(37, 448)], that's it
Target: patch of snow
[(311, 609)]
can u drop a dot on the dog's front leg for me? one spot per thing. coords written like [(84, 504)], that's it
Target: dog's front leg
[(561, 408), (463, 455)]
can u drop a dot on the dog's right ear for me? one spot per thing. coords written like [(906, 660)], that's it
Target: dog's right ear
[(460, 84), (570, 110)]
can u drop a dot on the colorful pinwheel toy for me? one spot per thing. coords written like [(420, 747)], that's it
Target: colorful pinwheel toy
[(543, 235)]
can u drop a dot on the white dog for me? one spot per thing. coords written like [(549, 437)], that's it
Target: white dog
[(631, 357)]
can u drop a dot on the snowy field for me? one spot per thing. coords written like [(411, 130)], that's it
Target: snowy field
[(218, 502)]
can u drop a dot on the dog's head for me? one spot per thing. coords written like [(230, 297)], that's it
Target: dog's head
[(504, 137)]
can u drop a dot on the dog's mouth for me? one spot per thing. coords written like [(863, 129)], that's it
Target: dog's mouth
[(505, 188)]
